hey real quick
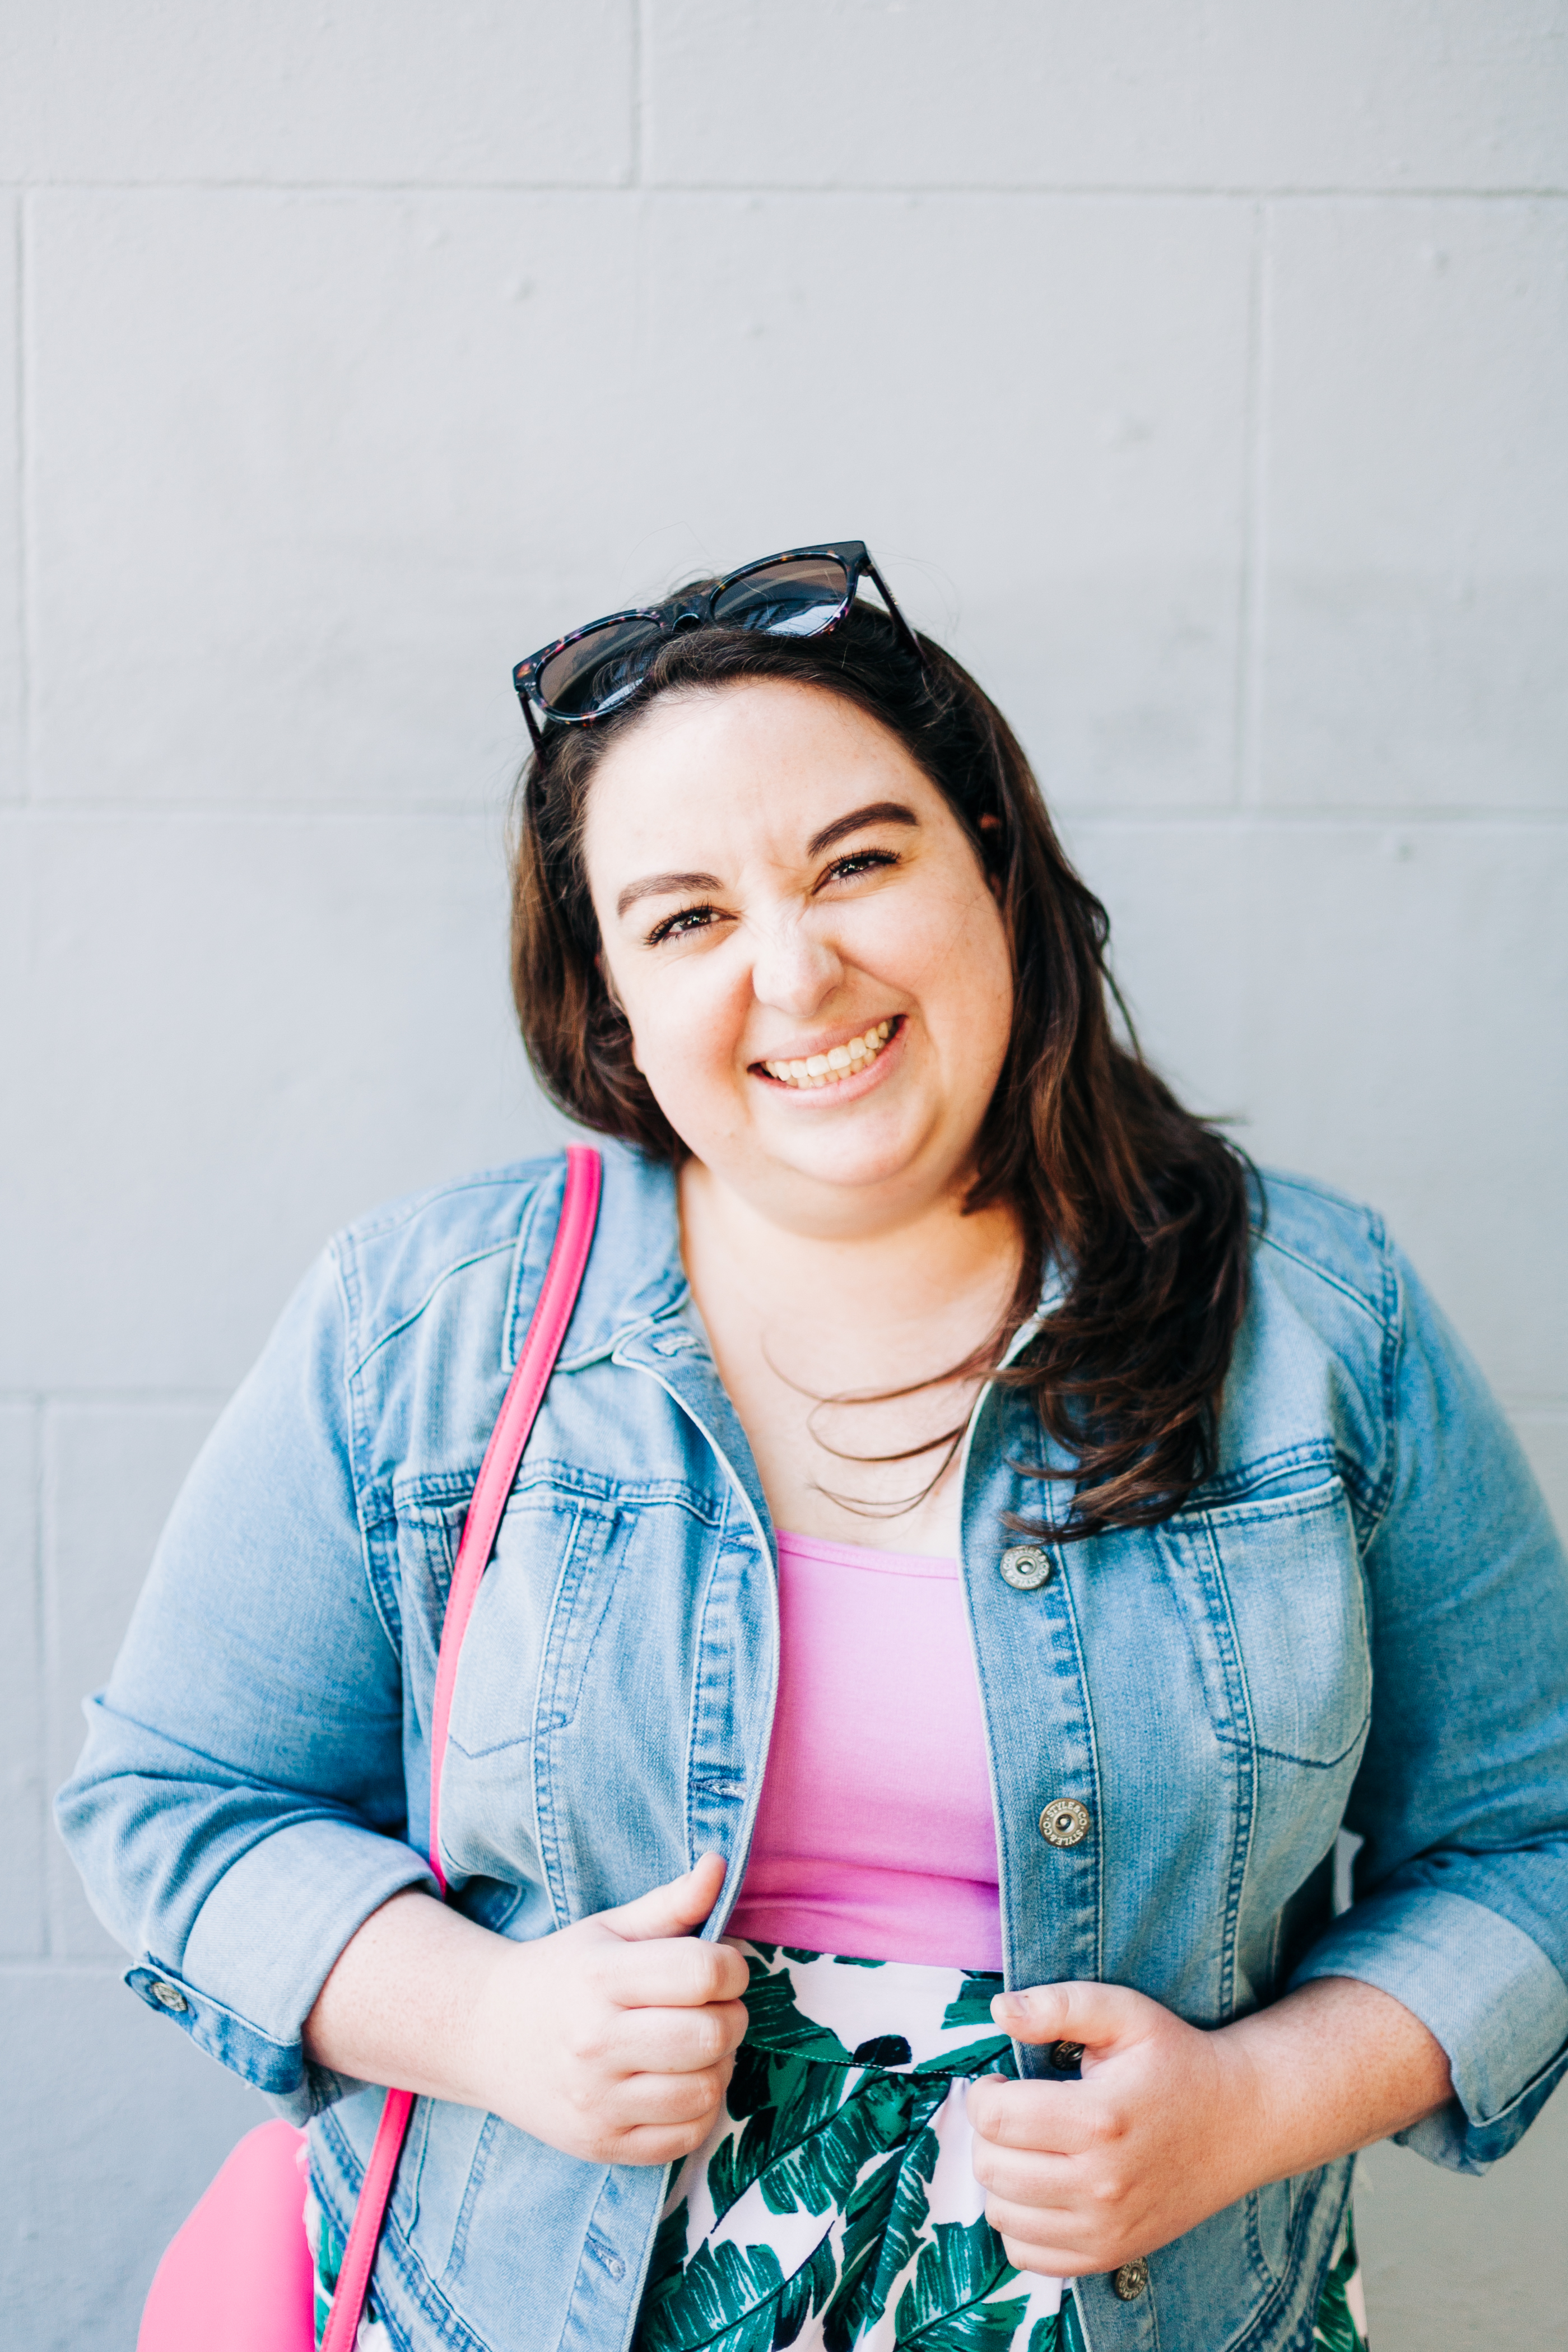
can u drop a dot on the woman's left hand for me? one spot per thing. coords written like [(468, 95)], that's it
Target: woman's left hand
[(1169, 2123)]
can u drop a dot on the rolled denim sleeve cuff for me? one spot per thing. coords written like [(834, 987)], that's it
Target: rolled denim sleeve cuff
[(1483, 1987), (263, 1945)]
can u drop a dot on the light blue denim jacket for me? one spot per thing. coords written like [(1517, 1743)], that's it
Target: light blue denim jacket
[(1361, 1618)]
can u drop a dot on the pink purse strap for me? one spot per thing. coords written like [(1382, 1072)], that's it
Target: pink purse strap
[(524, 1393)]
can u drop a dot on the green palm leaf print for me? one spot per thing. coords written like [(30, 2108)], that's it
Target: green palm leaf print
[(973, 2004), (992, 2056), (942, 2308), (667, 2264), (883, 2221), (808, 2151), (735, 2299), (775, 2024)]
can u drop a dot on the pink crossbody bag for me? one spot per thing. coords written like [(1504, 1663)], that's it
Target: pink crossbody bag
[(238, 2276)]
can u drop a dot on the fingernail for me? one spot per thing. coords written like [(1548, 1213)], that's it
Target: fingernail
[(1010, 2008)]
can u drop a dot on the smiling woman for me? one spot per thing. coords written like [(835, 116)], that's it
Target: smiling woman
[(980, 1544)]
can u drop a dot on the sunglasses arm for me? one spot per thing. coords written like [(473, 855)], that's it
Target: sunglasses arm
[(910, 639)]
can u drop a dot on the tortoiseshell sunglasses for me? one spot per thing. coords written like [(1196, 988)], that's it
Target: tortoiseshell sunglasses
[(802, 592)]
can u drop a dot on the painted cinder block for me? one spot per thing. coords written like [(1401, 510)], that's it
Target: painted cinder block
[(1465, 2263), (1238, 94), (115, 2123), (346, 479), (23, 1793), (1375, 1003), (354, 447), (498, 92), (13, 640), (1416, 507), (1032, 409), (110, 1473), (241, 1031)]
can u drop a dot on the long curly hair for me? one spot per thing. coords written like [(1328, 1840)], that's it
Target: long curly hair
[(1143, 1208)]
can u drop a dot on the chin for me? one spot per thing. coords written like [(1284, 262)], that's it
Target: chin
[(851, 1164)]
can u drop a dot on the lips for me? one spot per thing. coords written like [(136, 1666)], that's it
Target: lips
[(839, 1063)]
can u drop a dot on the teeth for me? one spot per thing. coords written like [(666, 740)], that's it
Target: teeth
[(826, 1069)]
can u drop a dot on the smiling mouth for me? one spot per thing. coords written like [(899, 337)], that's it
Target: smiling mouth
[(842, 1061)]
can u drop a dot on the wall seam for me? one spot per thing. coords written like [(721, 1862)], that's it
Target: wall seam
[(23, 519), (1121, 190), (639, 91), (47, 1658), (1249, 606)]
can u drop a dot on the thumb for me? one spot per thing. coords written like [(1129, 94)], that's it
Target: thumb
[(1085, 2016), (671, 1910)]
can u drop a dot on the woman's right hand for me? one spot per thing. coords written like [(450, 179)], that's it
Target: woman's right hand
[(614, 2040)]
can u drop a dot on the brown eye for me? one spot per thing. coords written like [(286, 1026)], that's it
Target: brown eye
[(689, 919), (864, 861)]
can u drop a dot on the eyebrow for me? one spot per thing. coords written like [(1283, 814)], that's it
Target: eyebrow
[(876, 812), (661, 886)]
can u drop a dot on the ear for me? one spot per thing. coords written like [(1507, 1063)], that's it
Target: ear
[(608, 985), (989, 826)]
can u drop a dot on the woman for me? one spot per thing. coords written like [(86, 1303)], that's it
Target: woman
[(979, 1547)]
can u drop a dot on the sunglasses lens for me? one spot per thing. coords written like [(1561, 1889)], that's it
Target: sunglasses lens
[(597, 671), (787, 600)]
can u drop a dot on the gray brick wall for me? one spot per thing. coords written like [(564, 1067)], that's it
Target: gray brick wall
[(1199, 372)]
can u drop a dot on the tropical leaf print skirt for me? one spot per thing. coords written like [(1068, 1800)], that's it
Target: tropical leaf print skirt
[(833, 2205)]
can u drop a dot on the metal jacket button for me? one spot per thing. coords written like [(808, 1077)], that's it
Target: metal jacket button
[(1064, 1821), (1026, 1568), (1065, 2055), (1129, 2282), (169, 1997)]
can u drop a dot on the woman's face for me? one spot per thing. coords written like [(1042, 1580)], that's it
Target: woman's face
[(807, 949)]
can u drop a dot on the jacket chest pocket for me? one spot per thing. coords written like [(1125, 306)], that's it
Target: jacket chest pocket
[(537, 1614), (1274, 1599)]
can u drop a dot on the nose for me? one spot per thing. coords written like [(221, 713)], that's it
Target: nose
[(795, 971)]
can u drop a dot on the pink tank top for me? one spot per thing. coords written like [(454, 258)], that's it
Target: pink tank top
[(875, 1836)]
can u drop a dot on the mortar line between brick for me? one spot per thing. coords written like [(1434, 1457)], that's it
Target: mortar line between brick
[(639, 53), (39, 1795), (24, 530), (1118, 191), (1249, 667), (46, 1662)]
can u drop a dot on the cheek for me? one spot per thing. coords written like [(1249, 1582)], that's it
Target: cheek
[(950, 951), (683, 1031)]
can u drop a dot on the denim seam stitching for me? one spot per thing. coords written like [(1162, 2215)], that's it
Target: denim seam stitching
[(546, 1829), (1233, 1667), (1326, 1275), (1062, 1582), (394, 2247), (448, 1274), (381, 1578)]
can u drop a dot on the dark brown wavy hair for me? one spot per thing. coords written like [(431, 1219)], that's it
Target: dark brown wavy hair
[(1144, 1207)]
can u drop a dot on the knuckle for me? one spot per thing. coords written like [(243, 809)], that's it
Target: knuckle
[(985, 2114), (708, 2039)]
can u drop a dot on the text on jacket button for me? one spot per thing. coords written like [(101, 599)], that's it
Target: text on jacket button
[(1128, 2284), (1026, 1568), (1065, 2055), (1064, 1821), (169, 1997)]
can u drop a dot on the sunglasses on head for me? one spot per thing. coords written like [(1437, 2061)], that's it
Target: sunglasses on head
[(802, 592)]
